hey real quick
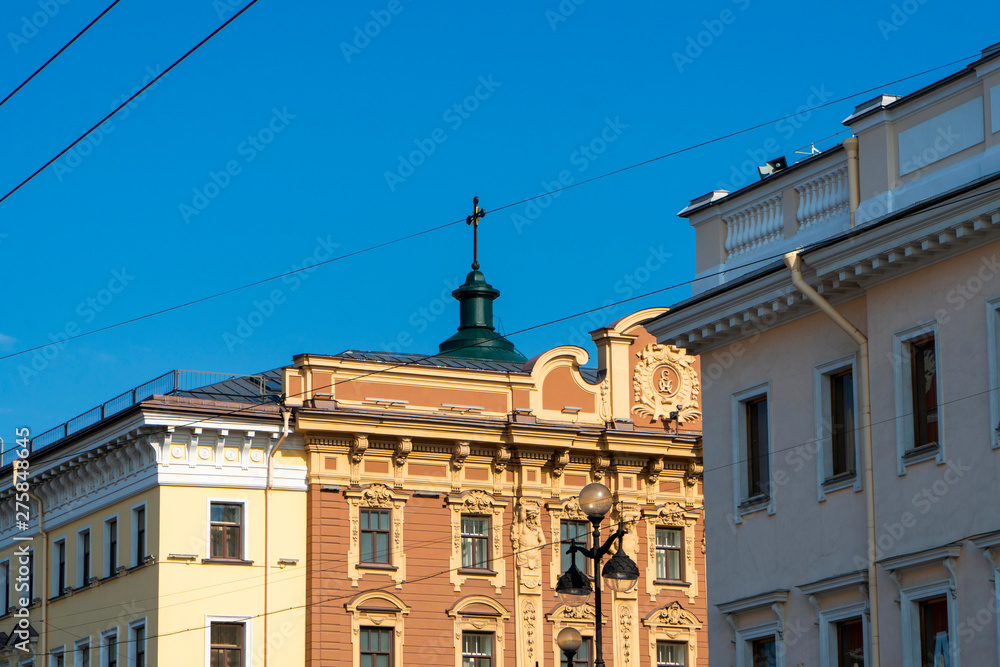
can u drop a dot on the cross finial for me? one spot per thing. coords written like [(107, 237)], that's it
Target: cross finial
[(477, 215)]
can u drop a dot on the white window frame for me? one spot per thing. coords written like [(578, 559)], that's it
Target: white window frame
[(5, 581), (992, 343), (746, 636), (904, 395), (80, 583), (828, 639), (55, 654), (132, 645), (244, 525), (247, 622), (78, 647), (909, 607), (106, 546), (134, 534), (103, 653), (740, 468), (56, 543), (824, 430)]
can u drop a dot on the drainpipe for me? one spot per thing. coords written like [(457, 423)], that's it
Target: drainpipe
[(285, 414), (45, 575), (853, 175), (794, 263)]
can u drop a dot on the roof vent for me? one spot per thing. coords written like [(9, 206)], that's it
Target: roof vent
[(772, 167)]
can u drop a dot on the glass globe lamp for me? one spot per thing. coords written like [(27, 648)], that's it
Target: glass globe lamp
[(596, 500)]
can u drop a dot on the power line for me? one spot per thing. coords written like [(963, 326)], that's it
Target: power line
[(425, 231), (57, 54), (123, 104)]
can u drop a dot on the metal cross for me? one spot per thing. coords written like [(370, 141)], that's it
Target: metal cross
[(477, 215)]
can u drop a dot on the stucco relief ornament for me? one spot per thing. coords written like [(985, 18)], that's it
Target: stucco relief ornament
[(664, 382), (478, 502), (675, 614), (527, 537), (377, 495)]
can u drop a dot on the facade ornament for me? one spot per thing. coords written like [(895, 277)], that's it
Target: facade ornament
[(478, 502), (377, 495), (675, 614), (559, 461), (529, 617), (693, 473), (500, 458), (604, 409), (358, 448), (665, 385), (672, 513), (655, 467), (527, 538), (601, 463), (403, 448), (625, 622), (582, 613), (461, 453)]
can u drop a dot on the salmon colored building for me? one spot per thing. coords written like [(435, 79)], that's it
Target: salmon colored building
[(442, 494)]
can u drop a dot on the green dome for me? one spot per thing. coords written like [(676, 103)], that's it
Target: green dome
[(476, 338)]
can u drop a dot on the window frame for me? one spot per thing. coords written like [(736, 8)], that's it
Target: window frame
[(374, 533), (133, 643), (60, 580), (823, 375), (82, 652), (479, 543), (911, 598), (741, 499), (389, 652), (105, 653), (245, 621), (666, 550), (244, 540), (57, 657), (906, 451), (477, 657), (32, 588), (138, 534), (84, 557), (5, 581), (684, 648), (109, 568), (993, 354), (588, 528), (377, 608), (588, 641)]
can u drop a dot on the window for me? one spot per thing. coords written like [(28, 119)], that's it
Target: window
[(227, 531), (83, 558), (138, 535), (477, 649), (934, 649), (137, 644), (476, 541), (842, 429), (31, 574), (923, 387), (764, 652), (574, 532), (582, 657), (668, 553), (81, 653), (850, 643), (757, 449), (227, 645), (669, 654), (375, 536), (58, 658), (110, 546), (58, 568), (109, 649), (5, 590), (376, 647)]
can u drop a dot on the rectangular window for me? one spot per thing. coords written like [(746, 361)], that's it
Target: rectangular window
[(227, 531), (574, 532), (376, 647), (477, 649), (110, 546), (842, 429), (923, 385), (758, 448), (475, 541), (138, 535), (582, 656), (850, 643), (764, 652), (109, 649), (5, 591), (227, 645), (375, 536), (59, 568), (668, 553), (58, 658), (137, 645), (83, 558), (934, 632), (81, 653), (31, 574), (669, 654)]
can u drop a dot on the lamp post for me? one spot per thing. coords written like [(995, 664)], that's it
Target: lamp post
[(620, 572)]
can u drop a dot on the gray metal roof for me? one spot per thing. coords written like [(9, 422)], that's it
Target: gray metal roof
[(260, 388)]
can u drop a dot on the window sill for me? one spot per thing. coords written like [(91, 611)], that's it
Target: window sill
[(844, 480), (671, 582), (755, 503), (921, 454), (226, 561), (377, 566), (477, 571)]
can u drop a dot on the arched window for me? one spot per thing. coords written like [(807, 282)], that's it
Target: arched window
[(377, 628)]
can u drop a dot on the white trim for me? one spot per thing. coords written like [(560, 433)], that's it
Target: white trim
[(244, 525), (79, 555), (909, 618), (823, 419), (740, 471), (247, 622), (746, 636), (106, 570), (78, 646), (54, 583), (55, 654), (103, 652), (132, 645), (992, 343), (828, 640), (904, 395), (135, 561)]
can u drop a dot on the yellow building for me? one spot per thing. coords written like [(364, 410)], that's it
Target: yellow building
[(162, 539)]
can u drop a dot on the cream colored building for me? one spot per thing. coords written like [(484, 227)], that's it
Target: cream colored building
[(161, 540), (834, 538)]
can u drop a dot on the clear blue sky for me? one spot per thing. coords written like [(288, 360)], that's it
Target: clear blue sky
[(312, 119)]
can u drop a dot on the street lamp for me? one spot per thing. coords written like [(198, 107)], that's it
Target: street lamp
[(569, 641), (621, 573)]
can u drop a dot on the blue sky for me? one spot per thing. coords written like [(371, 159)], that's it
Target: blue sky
[(306, 130)]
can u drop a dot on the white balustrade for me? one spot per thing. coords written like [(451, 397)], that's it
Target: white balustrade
[(823, 198), (754, 227)]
